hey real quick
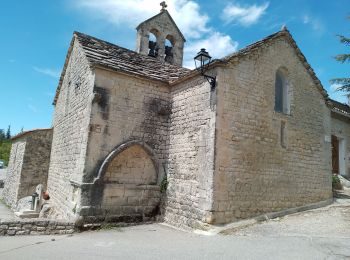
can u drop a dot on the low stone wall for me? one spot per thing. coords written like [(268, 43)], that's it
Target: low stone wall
[(35, 227)]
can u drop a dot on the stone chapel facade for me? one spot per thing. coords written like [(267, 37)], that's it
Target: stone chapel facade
[(135, 135)]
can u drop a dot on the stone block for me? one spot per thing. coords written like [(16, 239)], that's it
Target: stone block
[(133, 201), (11, 232), (23, 232), (60, 227)]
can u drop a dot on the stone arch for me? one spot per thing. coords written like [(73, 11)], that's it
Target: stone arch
[(131, 166), (153, 42), (128, 180), (169, 48), (122, 147), (155, 32), (171, 39)]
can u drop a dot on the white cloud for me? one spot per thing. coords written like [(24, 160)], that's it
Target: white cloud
[(315, 23), (335, 86), (306, 19), (186, 13), (337, 95), (217, 44), (48, 72), (132, 12), (244, 15)]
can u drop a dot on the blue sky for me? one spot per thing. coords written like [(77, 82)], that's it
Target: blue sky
[(35, 36)]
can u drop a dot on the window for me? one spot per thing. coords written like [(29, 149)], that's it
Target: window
[(281, 93)]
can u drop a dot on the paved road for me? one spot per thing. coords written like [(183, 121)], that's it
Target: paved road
[(160, 242), (2, 178), (317, 234), (5, 212), (2, 174)]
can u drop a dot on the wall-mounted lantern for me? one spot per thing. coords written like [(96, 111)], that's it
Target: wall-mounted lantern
[(202, 61)]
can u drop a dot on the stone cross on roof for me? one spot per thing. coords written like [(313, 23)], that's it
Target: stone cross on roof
[(163, 5)]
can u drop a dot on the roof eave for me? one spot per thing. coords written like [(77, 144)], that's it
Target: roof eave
[(193, 73), (340, 113), (95, 65)]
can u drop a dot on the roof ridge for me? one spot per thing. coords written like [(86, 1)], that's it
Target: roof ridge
[(283, 32), (254, 44), (100, 40)]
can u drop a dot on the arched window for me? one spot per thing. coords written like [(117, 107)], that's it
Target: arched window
[(169, 44), (152, 43), (282, 101)]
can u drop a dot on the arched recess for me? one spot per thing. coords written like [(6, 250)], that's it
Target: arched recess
[(129, 178), (131, 166), (120, 148)]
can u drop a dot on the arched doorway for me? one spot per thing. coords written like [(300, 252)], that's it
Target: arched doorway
[(130, 186)]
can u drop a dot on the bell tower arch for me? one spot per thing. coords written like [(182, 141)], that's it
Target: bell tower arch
[(159, 37)]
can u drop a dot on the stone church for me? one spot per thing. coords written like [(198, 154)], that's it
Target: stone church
[(135, 135)]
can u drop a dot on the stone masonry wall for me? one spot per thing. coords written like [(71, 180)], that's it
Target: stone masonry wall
[(28, 165), (163, 28), (125, 108), (191, 154), (131, 185), (14, 170), (254, 172), (70, 133), (35, 162), (341, 129), (35, 227)]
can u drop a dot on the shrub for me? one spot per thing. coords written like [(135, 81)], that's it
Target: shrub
[(164, 185), (336, 185)]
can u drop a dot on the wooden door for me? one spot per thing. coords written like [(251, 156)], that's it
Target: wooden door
[(335, 154)]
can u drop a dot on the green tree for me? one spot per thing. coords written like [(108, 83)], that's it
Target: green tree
[(5, 149), (8, 133), (2, 135), (343, 82)]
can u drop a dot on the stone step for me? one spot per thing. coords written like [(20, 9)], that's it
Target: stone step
[(27, 214)]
